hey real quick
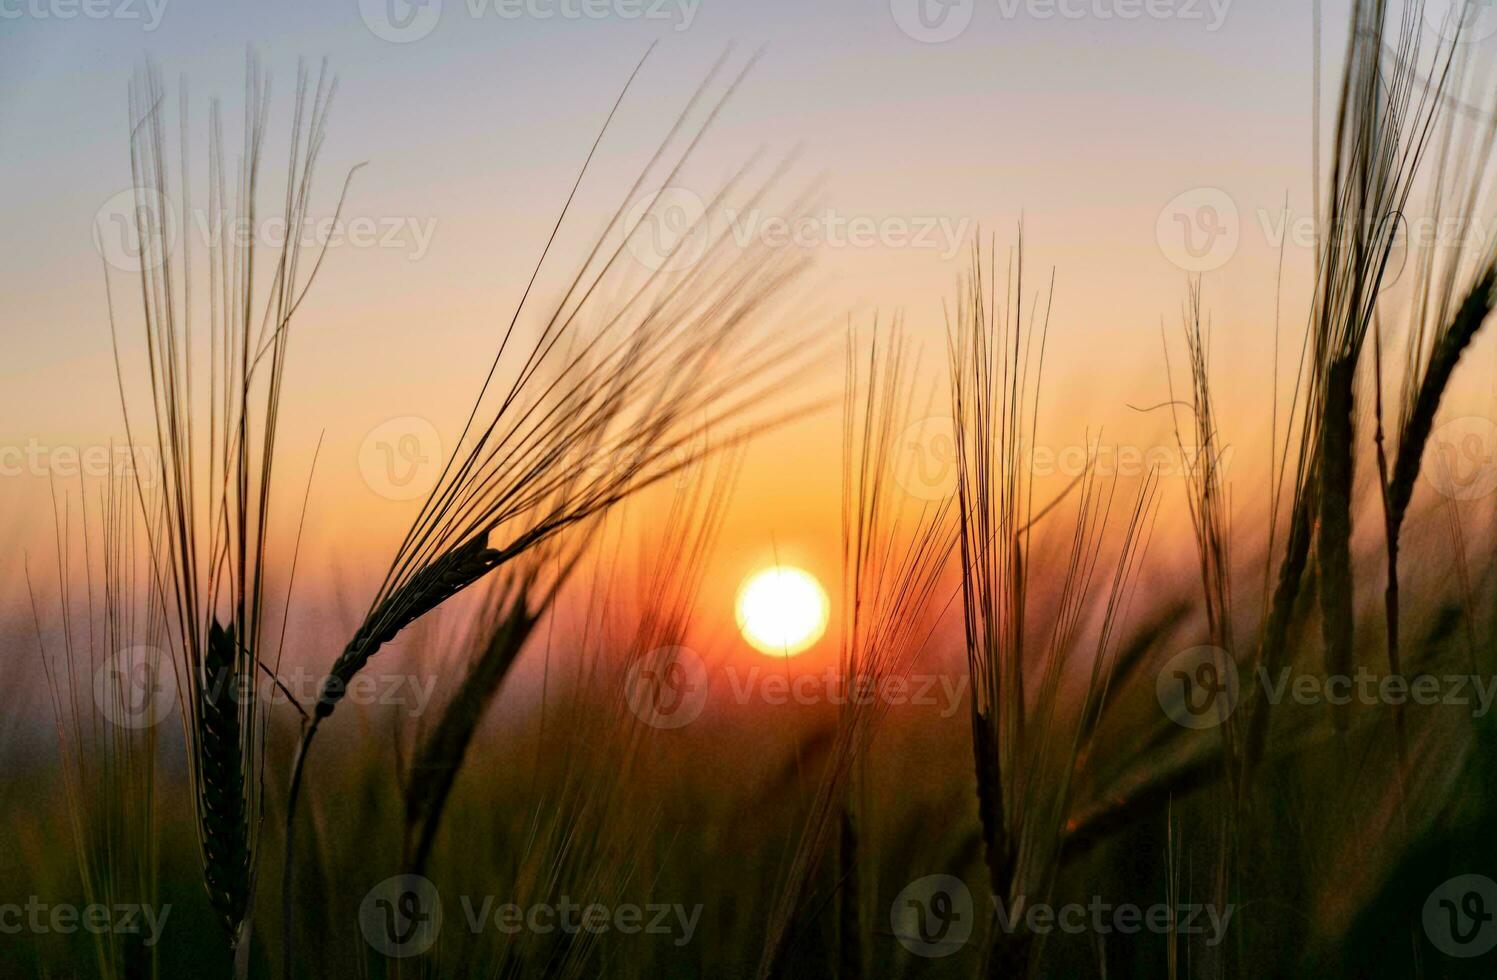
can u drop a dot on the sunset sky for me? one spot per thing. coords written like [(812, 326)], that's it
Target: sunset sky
[(1090, 128)]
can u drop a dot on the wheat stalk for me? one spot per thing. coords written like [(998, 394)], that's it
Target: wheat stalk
[(209, 534), (644, 387), (996, 358), (891, 563)]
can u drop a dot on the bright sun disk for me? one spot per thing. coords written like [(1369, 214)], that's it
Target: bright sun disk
[(782, 610)]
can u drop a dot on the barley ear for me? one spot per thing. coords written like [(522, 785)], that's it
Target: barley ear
[(1469, 318), (223, 813), (426, 590), (1334, 538)]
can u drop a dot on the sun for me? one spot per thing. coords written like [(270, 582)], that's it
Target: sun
[(782, 610)]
